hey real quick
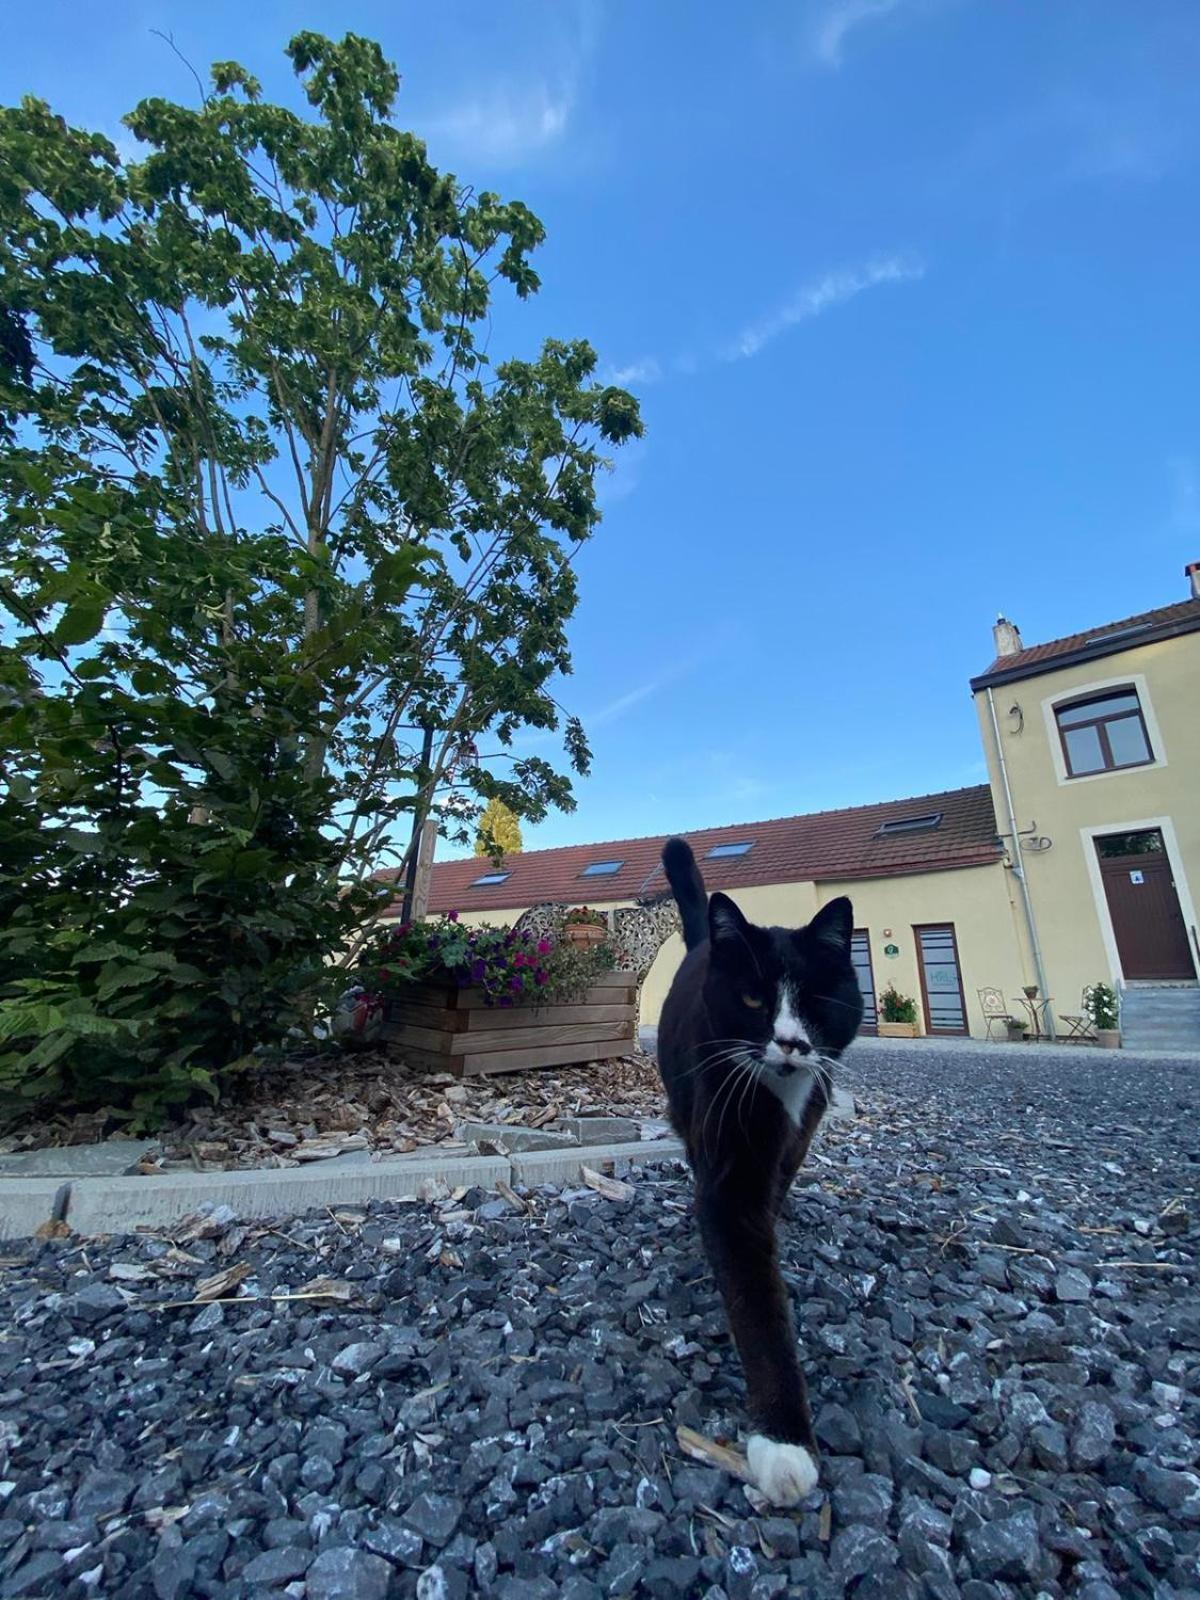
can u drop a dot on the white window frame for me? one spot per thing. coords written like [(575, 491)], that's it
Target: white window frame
[(1166, 827), (1085, 691)]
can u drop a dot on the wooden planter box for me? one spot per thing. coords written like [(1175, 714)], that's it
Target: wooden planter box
[(445, 1029), (897, 1030)]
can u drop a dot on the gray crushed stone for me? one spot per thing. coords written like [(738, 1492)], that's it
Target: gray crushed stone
[(995, 1277)]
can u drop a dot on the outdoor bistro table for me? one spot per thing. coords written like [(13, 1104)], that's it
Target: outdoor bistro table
[(1034, 1005)]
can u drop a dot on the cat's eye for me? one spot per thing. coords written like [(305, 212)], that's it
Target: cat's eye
[(752, 1001)]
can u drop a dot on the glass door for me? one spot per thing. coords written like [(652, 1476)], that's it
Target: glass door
[(941, 979)]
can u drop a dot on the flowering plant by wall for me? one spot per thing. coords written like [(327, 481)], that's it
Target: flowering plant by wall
[(512, 967), (1100, 1003), (896, 1007)]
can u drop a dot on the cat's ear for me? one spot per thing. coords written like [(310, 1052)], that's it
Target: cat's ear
[(726, 924), (833, 926)]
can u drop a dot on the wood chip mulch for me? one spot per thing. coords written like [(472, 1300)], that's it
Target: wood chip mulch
[(318, 1107)]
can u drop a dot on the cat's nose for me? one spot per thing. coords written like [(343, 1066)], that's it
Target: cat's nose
[(801, 1047)]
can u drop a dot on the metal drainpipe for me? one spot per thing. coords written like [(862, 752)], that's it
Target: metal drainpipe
[(1018, 867)]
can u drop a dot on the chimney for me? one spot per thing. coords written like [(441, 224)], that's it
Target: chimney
[(1192, 571), (1008, 638)]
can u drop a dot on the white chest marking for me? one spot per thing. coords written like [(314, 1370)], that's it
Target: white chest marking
[(792, 1092)]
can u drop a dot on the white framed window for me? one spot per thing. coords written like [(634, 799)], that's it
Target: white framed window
[(1101, 729)]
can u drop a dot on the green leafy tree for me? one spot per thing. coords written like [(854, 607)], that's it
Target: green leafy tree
[(268, 508), (499, 831)]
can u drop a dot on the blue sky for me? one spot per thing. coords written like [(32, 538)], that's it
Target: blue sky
[(908, 291)]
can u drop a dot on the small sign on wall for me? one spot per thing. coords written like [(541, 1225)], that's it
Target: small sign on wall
[(891, 949), (1136, 877)]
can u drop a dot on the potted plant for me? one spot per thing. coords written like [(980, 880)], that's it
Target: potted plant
[(1100, 1003), (897, 1015), (1018, 1031), (582, 926)]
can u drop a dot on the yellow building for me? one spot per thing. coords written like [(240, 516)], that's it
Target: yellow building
[(1075, 863), (1093, 751)]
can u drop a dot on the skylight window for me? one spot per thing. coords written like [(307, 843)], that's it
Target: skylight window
[(923, 824), (742, 848), (1119, 633), (601, 869), (490, 877)]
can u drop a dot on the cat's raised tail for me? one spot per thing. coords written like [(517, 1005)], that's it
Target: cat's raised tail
[(688, 888)]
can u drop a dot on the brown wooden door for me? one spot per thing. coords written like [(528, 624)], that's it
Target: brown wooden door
[(941, 978), (1151, 935), (860, 955)]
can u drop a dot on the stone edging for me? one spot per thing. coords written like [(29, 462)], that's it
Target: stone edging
[(95, 1206)]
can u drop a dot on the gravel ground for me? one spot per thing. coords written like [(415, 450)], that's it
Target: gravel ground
[(996, 1284)]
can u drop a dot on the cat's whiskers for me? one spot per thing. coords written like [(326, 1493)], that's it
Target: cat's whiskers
[(834, 1001), (745, 1070), (724, 1089), (734, 1047), (752, 1085)]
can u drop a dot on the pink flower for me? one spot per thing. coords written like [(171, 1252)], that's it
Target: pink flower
[(452, 916), (544, 947)]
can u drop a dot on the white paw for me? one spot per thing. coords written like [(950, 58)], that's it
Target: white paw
[(785, 1473)]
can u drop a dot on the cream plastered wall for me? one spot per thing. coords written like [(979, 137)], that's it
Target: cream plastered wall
[(773, 904), (976, 900), (1064, 881)]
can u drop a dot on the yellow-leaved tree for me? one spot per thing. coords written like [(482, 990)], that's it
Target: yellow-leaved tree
[(498, 830)]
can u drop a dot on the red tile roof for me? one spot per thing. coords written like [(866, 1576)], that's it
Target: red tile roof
[(1107, 640), (824, 846)]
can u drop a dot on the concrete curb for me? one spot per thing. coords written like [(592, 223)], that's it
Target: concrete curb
[(534, 1167), (25, 1203), (125, 1205)]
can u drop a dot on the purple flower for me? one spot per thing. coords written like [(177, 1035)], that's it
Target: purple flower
[(478, 971), (541, 977), (516, 985), (452, 916), (506, 1000)]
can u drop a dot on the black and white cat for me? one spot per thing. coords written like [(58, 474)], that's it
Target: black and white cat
[(750, 1028)]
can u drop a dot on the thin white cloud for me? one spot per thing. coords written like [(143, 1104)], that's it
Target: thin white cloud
[(523, 107), (616, 709), (840, 20), (824, 294), (647, 370), (504, 127), (1073, 137)]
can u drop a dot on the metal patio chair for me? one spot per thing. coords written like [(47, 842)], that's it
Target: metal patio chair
[(995, 1010), (1079, 1026)]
